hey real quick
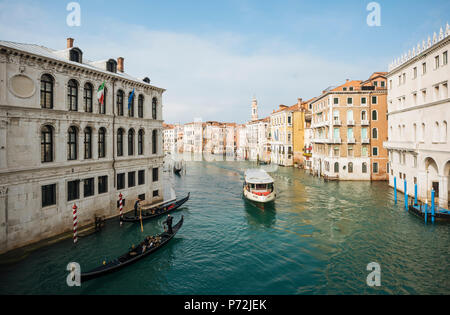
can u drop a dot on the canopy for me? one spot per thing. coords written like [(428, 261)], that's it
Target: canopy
[(257, 176)]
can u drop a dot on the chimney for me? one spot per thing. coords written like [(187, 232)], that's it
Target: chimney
[(70, 42), (283, 106), (299, 101), (120, 67)]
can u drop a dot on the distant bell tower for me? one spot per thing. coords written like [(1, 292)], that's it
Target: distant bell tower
[(254, 109)]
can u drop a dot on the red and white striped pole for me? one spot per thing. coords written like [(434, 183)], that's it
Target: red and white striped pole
[(75, 222), (120, 207)]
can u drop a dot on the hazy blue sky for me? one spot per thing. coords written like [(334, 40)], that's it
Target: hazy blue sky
[(213, 56)]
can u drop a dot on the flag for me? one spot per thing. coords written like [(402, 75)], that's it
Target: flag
[(101, 93), (130, 99)]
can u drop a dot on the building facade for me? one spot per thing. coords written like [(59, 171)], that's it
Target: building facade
[(60, 146), (281, 140), (419, 114), (349, 123)]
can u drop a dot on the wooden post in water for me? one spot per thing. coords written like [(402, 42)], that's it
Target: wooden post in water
[(426, 210), (406, 196), (415, 194), (432, 206), (120, 208), (395, 189)]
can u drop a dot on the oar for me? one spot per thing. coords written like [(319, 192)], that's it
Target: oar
[(140, 217)]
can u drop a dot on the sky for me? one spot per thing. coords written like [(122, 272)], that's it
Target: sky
[(214, 56)]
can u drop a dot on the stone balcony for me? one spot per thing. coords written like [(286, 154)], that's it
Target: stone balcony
[(364, 122), (365, 141), (400, 145), (350, 122), (351, 141), (337, 122)]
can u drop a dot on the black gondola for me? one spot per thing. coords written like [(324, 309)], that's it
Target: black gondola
[(131, 256), (177, 170), (157, 211)]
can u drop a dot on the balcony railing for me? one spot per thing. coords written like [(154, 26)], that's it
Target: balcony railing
[(365, 141), (336, 141), (337, 122), (350, 122), (351, 141), (364, 122)]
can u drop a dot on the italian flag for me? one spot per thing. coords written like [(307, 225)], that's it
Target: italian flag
[(101, 93)]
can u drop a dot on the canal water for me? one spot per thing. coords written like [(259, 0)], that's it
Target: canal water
[(318, 238)]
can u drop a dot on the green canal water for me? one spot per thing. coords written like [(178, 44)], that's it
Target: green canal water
[(318, 238)]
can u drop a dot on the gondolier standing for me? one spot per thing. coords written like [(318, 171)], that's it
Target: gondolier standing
[(136, 206), (169, 224)]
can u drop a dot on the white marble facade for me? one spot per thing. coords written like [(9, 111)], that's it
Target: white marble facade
[(419, 114)]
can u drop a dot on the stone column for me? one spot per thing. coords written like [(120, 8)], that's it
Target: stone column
[(443, 191), (3, 218)]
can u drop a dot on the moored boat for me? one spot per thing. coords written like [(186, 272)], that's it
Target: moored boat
[(157, 211), (259, 186), (141, 251), (439, 215)]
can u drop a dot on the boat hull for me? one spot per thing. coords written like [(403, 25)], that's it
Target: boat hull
[(261, 199)]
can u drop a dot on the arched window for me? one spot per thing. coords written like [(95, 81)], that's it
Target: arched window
[(72, 95), (102, 107), (364, 168), (422, 135), (336, 167), (350, 167), (363, 115), (76, 55), (444, 132), (111, 66), (120, 142), (120, 102), (88, 143), (141, 142), (436, 132), (130, 142), (374, 133), (72, 144), (46, 144), (154, 105), (47, 83), (154, 141), (141, 106), (131, 105), (102, 143), (374, 115), (88, 90)]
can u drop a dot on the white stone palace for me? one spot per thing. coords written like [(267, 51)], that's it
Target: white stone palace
[(419, 113), (60, 146)]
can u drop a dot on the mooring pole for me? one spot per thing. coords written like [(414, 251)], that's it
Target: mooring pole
[(432, 205), (415, 194), (426, 210), (395, 189), (406, 197)]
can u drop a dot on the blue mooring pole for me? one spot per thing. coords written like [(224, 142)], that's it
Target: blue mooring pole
[(406, 197), (432, 205), (415, 194), (425, 206), (395, 189)]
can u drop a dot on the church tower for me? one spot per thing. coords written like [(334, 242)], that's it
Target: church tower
[(254, 109)]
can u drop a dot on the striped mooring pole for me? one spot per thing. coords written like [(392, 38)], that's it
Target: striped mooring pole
[(120, 207), (75, 223)]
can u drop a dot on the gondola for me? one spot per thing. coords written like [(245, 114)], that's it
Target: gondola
[(177, 170), (440, 214), (131, 256), (158, 211)]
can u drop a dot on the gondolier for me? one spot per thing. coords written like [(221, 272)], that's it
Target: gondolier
[(136, 206), (169, 224)]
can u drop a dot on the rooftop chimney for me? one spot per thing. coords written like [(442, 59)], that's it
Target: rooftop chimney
[(120, 67), (70, 42)]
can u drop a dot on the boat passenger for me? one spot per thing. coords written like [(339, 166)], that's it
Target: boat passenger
[(136, 206)]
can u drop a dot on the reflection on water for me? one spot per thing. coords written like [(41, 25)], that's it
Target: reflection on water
[(259, 214)]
